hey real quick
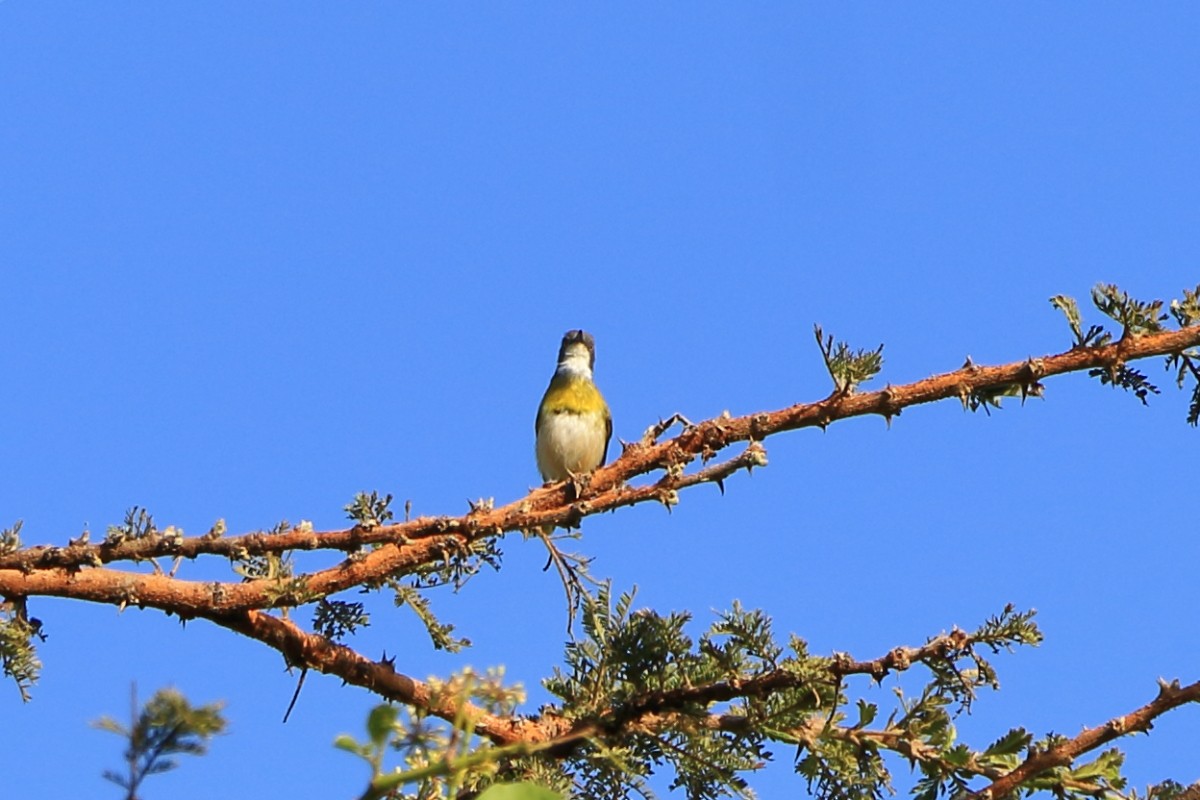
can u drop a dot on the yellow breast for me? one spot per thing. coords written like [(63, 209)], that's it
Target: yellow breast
[(573, 429)]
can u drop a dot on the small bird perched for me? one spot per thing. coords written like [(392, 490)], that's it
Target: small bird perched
[(573, 422)]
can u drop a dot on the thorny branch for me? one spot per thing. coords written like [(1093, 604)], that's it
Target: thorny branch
[(897, 660), (79, 570), (1170, 695), (316, 652), (313, 651), (405, 547)]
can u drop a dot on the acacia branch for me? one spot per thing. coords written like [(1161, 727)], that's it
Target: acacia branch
[(1140, 721), (558, 736), (654, 709), (316, 652), (405, 548), (897, 660), (426, 542), (313, 651)]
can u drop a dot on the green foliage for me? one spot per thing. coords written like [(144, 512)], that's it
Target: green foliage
[(440, 633), (845, 769), (848, 367), (951, 770), (1127, 378), (370, 510), (1187, 310), (1100, 777), (286, 588), (166, 726), (138, 524), (18, 654), (1009, 628), (1097, 776), (439, 759), (638, 665), (638, 693), (460, 562), (381, 723), (1095, 336), (1137, 318), (1187, 363), (269, 566), (10, 539), (958, 684), (335, 619), (636, 661), (989, 397), (518, 791), (617, 653)]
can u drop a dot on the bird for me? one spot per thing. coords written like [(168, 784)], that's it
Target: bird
[(573, 425)]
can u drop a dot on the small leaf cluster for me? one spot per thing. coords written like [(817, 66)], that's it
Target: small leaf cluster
[(459, 563), (336, 619), (1002, 632), (370, 510), (18, 654), (951, 771), (989, 397), (1099, 777), (440, 633), (10, 538), (840, 761), (439, 759), (1126, 377), (1095, 336), (286, 588), (167, 725), (846, 366), (1187, 311), (1187, 363), (268, 566), (623, 654), (1137, 317), (138, 524)]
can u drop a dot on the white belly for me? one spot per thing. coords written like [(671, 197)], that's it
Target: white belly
[(570, 444)]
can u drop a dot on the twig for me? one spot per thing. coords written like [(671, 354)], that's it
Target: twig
[(1169, 696), (554, 504)]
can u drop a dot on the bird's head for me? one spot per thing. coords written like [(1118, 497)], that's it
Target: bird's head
[(577, 353)]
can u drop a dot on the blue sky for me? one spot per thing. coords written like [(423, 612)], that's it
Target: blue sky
[(255, 259)]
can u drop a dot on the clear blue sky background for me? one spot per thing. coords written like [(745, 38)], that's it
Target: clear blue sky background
[(256, 258)]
